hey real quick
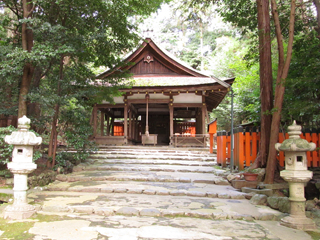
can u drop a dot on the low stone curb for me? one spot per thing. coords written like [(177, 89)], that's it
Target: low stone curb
[(152, 192), (64, 178), (152, 212), (80, 168), (152, 156)]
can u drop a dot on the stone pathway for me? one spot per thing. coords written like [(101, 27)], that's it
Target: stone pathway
[(152, 193)]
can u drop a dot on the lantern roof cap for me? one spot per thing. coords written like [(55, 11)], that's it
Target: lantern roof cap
[(295, 143)]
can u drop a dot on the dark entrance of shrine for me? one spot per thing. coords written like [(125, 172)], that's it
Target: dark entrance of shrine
[(158, 124)]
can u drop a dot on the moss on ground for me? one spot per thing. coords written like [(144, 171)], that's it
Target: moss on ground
[(5, 197), (314, 235), (16, 230)]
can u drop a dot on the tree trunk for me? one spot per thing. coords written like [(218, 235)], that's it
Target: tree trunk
[(54, 135), (28, 69), (34, 107), (283, 69), (266, 89)]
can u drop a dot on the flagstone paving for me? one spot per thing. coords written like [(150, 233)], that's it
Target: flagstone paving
[(151, 193)]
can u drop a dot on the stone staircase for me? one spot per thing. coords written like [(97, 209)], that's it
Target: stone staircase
[(150, 181)]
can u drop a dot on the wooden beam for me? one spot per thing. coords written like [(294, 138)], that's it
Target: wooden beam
[(184, 88), (191, 105), (132, 101), (170, 94), (108, 105)]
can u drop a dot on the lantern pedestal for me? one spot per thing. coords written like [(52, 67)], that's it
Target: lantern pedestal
[(21, 165), (20, 209), (297, 218), (297, 175)]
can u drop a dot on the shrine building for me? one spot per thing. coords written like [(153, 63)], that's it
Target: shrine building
[(168, 103)]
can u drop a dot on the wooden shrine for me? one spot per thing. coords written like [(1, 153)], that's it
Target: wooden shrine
[(167, 105)]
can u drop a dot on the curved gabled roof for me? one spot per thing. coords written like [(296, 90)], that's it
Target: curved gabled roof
[(154, 69), (149, 59)]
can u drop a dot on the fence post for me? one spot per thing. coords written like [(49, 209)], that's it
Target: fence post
[(315, 155), (247, 145), (228, 146), (254, 144), (221, 148), (241, 148)]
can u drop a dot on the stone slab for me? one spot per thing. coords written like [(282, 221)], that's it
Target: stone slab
[(238, 184), (274, 186), (265, 191)]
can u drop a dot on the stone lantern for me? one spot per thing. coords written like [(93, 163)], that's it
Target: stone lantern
[(297, 175), (21, 165)]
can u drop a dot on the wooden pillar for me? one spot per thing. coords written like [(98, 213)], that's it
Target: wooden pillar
[(204, 126), (130, 124), (171, 123), (198, 122), (203, 119), (95, 120), (108, 125), (134, 123), (112, 126), (102, 123), (147, 114), (125, 116)]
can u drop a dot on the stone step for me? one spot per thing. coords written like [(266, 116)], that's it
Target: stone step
[(147, 150), (143, 167), (150, 188), (149, 176), (150, 162), (153, 156), (143, 205), (155, 148), (135, 152)]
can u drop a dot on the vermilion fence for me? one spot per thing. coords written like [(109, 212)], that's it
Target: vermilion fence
[(246, 147)]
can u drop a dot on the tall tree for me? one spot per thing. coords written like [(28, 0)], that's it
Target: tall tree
[(59, 39), (266, 80), (242, 14), (283, 70)]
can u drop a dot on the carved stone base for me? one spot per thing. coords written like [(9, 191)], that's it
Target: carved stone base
[(19, 212), (301, 223)]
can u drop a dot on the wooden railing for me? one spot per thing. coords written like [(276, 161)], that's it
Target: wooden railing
[(185, 140), (246, 148)]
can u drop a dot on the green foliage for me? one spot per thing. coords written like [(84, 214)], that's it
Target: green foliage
[(6, 174), (65, 162), (79, 33), (302, 86), (5, 149)]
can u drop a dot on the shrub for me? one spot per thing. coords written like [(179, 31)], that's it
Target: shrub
[(5, 149)]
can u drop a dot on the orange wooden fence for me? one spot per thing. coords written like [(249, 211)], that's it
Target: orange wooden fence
[(246, 148)]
